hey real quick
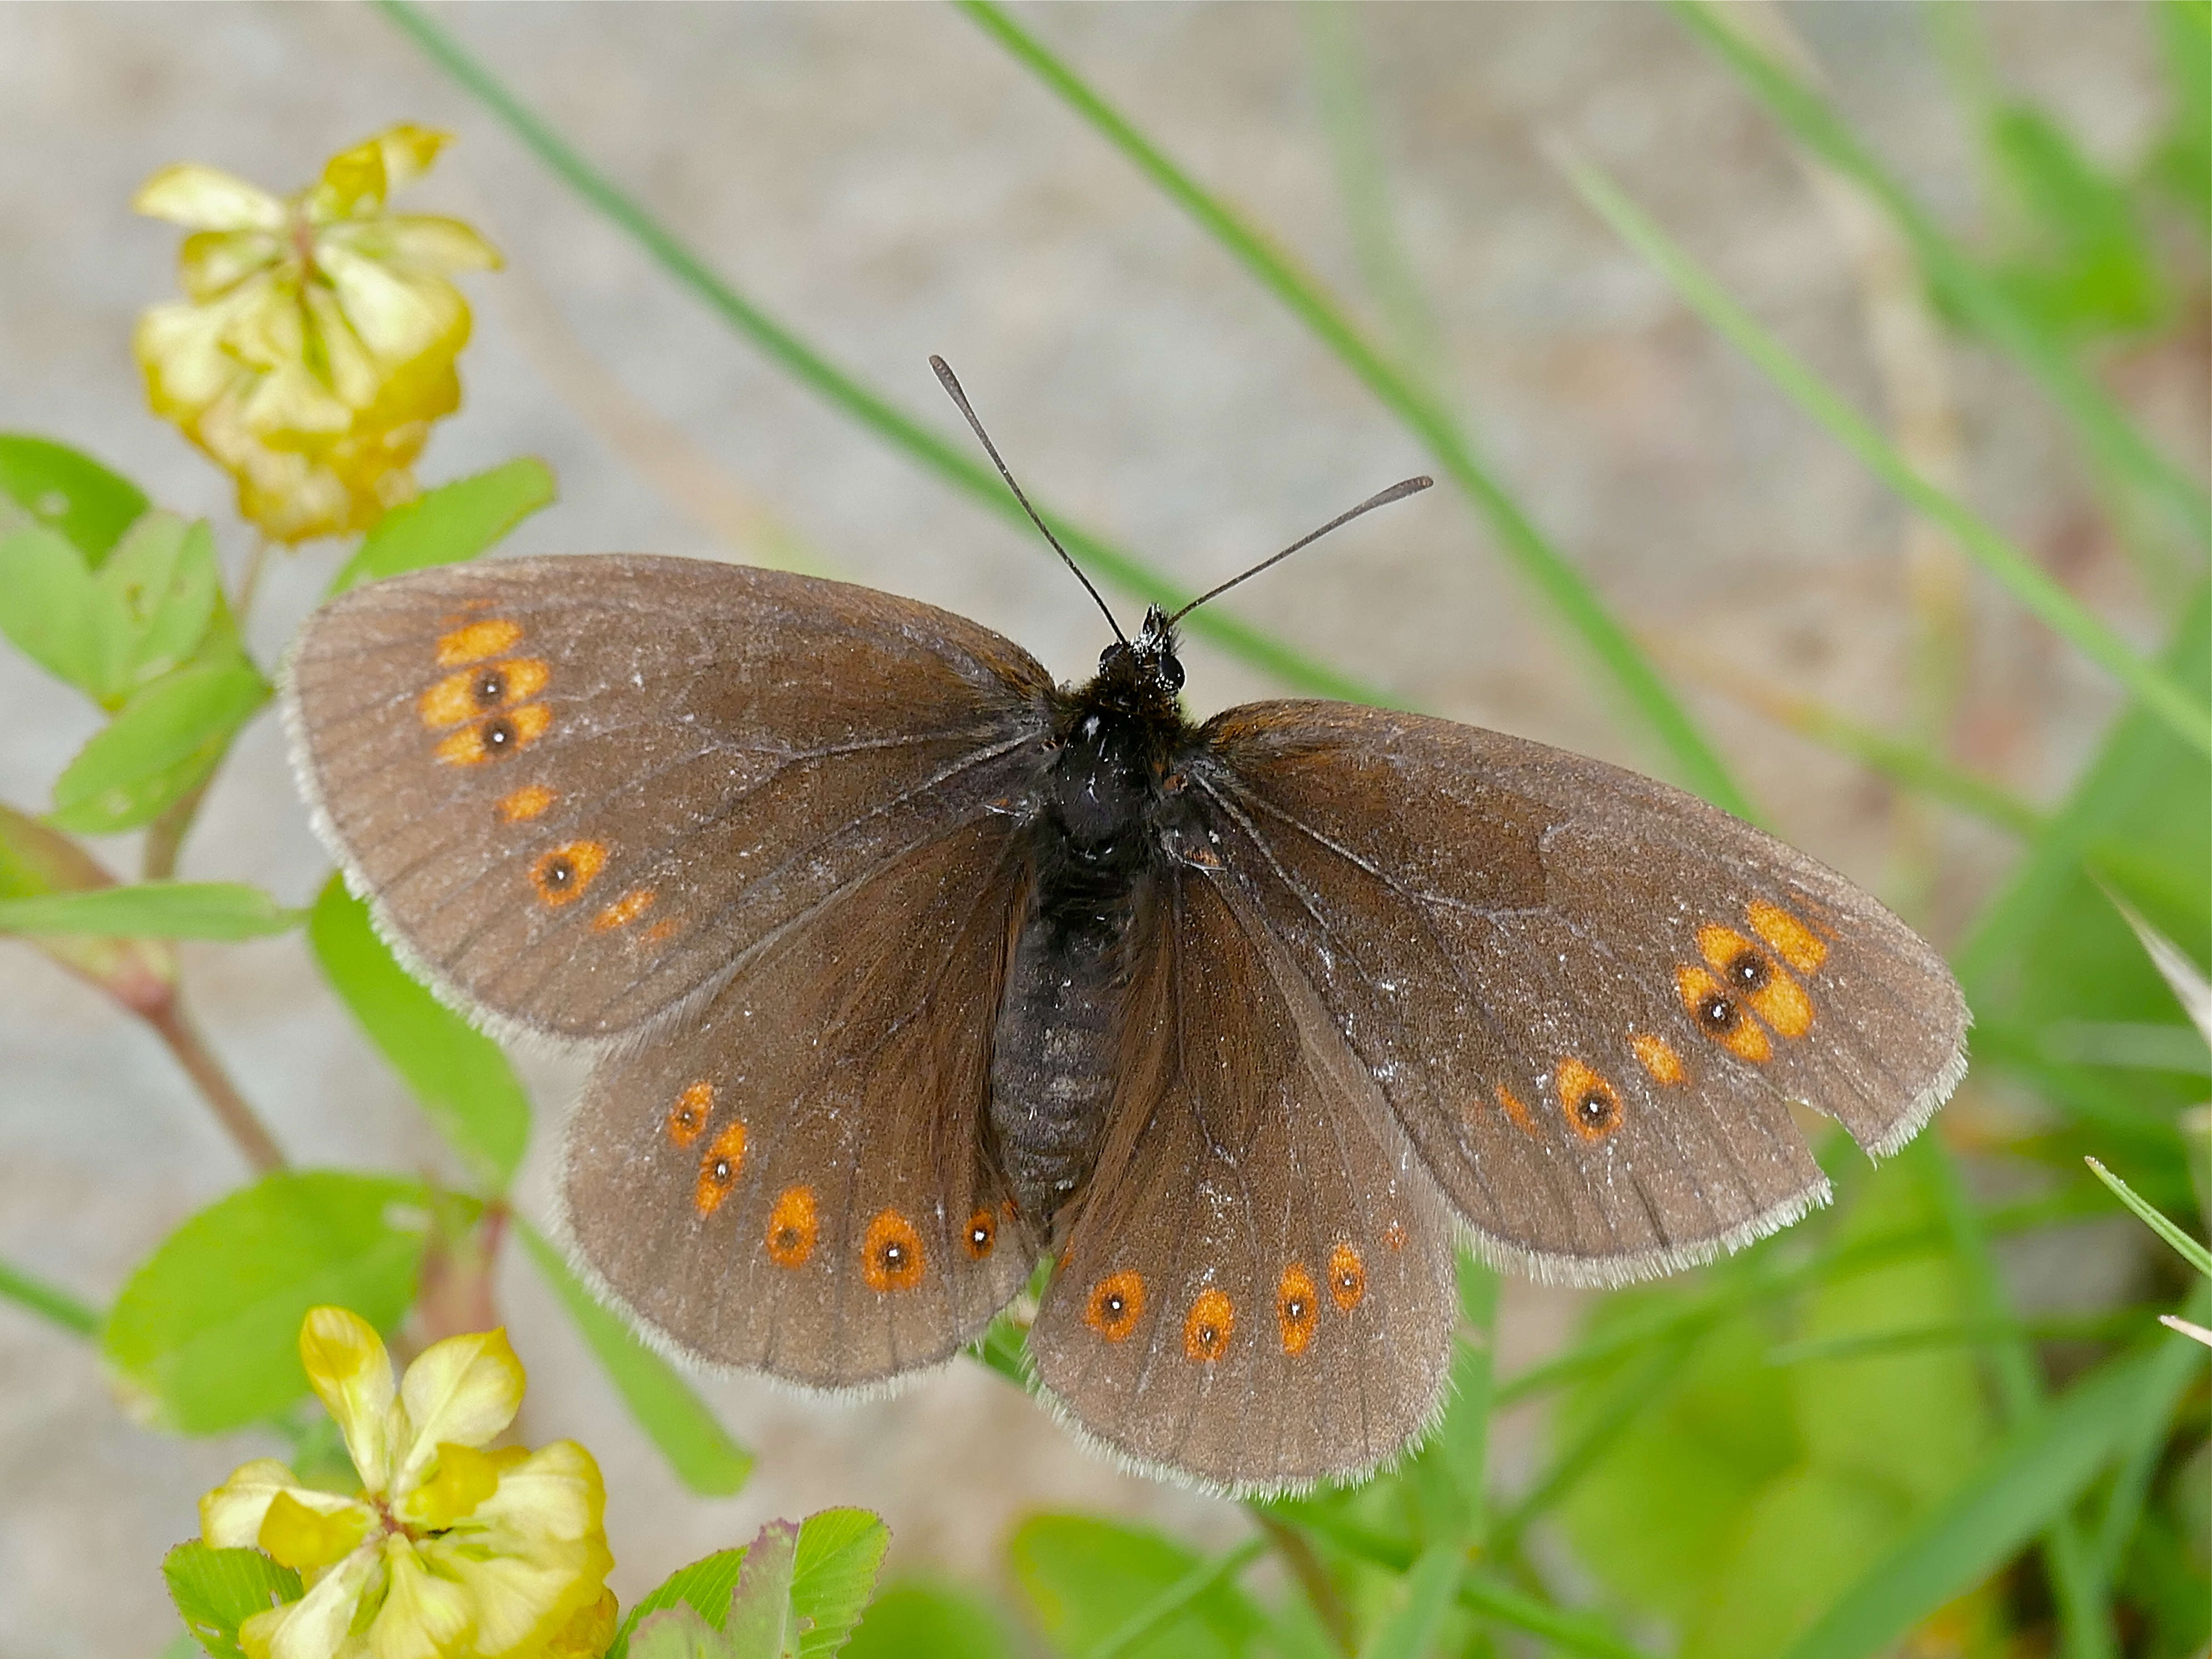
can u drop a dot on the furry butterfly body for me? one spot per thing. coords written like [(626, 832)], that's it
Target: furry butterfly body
[(905, 967)]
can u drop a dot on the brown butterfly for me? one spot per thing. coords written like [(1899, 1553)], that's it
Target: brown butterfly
[(905, 966)]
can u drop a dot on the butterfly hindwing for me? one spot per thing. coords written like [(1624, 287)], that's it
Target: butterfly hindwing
[(579, 789), (1589, 997), (793, 1179), (1257, 1290)]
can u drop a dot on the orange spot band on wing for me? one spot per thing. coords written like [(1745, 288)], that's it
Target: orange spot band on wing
[(1513, 1107), (1721, 947), (719, 1167), (1117, 1301), (792, 1227), (1347, 1278), (1720, 1016), (1592, 1104), (890, 1255), (498, 734), (981, 1233), (1784, 1005), (525, 803), (1298, 1308), (1658, 1057), (687, 1118), (561, 875), (1206, 1328), (477, 640), (449, 703), (1793, 941), (624, 910)]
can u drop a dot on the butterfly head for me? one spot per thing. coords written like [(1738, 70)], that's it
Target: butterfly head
[(1146, 671)]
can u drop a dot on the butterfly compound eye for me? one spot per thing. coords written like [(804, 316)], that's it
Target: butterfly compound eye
[(1171, 673)]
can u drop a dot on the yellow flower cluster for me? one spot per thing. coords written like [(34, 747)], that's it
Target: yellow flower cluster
[(316, 343), (447, 1551)]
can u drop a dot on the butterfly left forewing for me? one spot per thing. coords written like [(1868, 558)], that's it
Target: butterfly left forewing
[(1588, 998), (1257, 1289), (793, 1178)]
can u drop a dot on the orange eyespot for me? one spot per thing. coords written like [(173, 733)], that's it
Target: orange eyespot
[(1206, 1328), (1592, 1104), (792, 1227), (980, 1234), (1720, 1017), (723, 1161), (1117, 1301), (501, 734), (1790, 939), (1347, 1278), (687, 1118), (561, 875), (1393, 1235), (477, 640), (1298, 1308), (890, 1255), (1658, 1058)]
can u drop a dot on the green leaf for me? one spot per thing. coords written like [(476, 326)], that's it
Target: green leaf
[(217, 1590), (164, 572), (697, 1447), (461, 1077), (153, 909), (2027, 1481), (833, 1572), (824, 1583), (928, 1620), (451, 524), (68, 492), (168, 737), (205, 1336), (56, 614), (677, 1633), (763, 1622), (1084, 1577), (2087, 267), (705, 1588)]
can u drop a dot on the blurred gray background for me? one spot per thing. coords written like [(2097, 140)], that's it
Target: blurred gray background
[(887, 182)]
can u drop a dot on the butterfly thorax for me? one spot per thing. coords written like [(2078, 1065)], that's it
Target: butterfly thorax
[(1106, 801)]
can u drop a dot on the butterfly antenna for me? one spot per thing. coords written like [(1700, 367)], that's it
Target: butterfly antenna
[(1396, 492), (952, 386)]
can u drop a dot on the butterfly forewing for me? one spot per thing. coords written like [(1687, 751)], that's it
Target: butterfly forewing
[(579, 790), (1257, 1290), (1588, 998), (795, 1181)]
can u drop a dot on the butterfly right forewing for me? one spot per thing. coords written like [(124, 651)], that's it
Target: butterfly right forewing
[(1523, 947)]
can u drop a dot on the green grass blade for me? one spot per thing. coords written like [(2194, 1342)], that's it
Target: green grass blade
[(1567, 1632), (2118, 446), (788, 352), (2151, 1217), (2024, 1485), (2027, 581), (1425, 1597), (49, 1301), (1697, 764)]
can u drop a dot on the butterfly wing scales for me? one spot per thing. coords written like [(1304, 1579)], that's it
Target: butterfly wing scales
[(1521, 948), (1283, 1269), (739, 1181), (578, 789)]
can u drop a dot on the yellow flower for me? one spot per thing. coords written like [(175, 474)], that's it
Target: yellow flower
[(316, 344), (447, 1551)]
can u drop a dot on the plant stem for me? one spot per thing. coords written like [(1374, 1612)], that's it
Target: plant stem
[(165, 836), (1313, 1578), (51, 1301), (175, 1028)]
